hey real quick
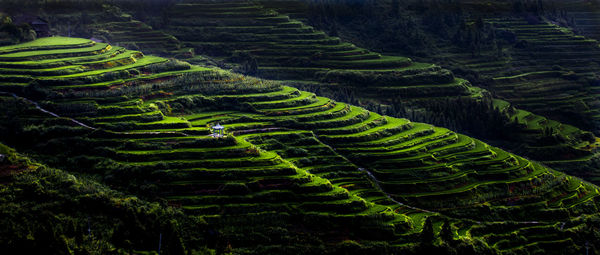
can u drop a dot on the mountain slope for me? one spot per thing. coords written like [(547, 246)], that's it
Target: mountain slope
[(246, 35), (523, 59), (108, 23), (294, 170), (49, 211)]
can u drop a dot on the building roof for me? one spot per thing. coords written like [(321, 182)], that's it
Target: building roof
[(218, 127)]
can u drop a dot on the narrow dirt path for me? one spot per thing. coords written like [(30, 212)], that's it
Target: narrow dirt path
[(37, 106)]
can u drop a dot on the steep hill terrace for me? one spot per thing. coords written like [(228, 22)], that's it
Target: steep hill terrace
[(111, 25), (293, 8), (62, 64), (135, 33), (550, 77), (428, 168), (585, 14), (288, 156), (550, 45), (288, 49), (548, 74), (417, 163), (222, 179), (553, 73)]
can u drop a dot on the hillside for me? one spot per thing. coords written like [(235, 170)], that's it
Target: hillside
[(584, 15), (295, 171), (50, 211), (263, 42), (547, 76), (540, 74), (288, 49), (246, 35), (109, 24)]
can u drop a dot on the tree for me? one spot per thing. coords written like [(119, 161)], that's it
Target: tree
[(446, 233), (427, 234)]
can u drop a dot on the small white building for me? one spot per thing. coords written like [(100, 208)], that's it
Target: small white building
[(218, 130)]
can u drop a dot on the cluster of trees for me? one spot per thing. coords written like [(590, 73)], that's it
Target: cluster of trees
[(478, 118), (408, 28), (49, 210), (473, 117), (447, 20), (15, 33)]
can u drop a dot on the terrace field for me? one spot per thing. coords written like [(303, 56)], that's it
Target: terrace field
[(51, 219), (585, 17), (287, 49), (294, 171), (552, 73), (549, 119), (547, 76), (108, 23)]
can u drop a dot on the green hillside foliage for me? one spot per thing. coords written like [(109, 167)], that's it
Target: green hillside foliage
[(11, 33), (252, 38), (293, 173), (541, 73), (46, 210)]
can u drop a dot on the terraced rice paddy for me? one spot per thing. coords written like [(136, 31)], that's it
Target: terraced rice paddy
[(117, 28), (585, 17), (287, 155), (86, 65), (546, 75), (552, 45), (287, 49), (134, 33)]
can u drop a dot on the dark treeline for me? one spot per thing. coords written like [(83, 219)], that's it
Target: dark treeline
[(150, 11), (369, 23), (13, 32), (477, 118), (412, 27)]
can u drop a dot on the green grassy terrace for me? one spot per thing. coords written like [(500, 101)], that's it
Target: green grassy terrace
[(286, 48), (290, 163)]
